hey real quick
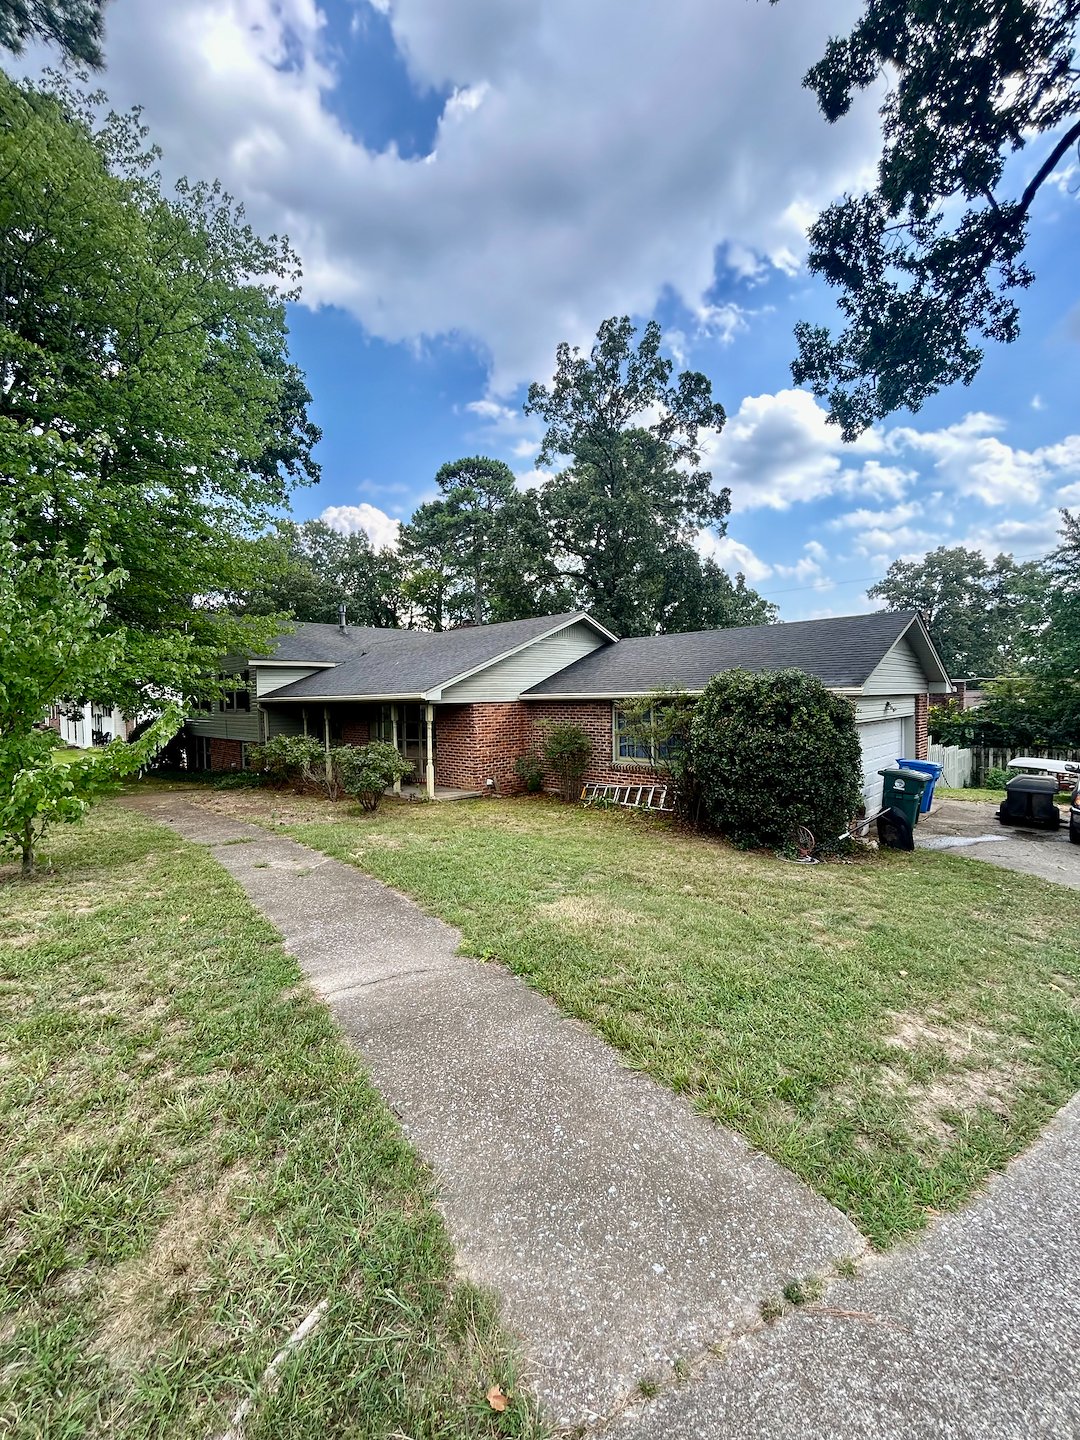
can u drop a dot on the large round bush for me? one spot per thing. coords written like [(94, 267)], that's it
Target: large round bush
[(772, 751)]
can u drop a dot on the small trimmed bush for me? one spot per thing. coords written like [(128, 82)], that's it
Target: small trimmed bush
[(772, 751), (567, 749), (238, 780), (530, 769), (366, 772)]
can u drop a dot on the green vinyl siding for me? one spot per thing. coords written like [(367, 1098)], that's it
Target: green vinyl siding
[(899, 673)]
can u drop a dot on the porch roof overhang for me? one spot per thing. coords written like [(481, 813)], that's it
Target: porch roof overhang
[(417, 697)]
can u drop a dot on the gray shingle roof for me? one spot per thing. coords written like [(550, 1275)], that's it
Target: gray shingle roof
[(322, 644), (841, 652), (407, 662)]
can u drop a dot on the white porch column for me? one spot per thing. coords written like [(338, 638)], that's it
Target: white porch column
[(303, 717), (429, 717), (326, 739), (393, 741)]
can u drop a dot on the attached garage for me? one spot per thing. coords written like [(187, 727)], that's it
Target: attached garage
[(882, 744)]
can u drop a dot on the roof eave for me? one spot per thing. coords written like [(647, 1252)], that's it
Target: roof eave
[(276, 699)]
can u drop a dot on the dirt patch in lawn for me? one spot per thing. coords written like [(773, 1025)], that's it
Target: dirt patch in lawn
[(139, 1295), (962, 1093), (958, 1040), (589, 912)]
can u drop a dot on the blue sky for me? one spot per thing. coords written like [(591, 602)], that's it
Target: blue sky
[(469, 183)]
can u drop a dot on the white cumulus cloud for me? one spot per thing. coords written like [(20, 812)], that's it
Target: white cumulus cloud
[(381, 529), (589, 159)]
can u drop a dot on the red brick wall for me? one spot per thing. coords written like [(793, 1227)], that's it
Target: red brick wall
[(481, 742), (355, 731), (455, 747), (922, 738), (595, 718), (226, 754)]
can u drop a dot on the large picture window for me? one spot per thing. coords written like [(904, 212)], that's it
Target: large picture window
[(636, 740)]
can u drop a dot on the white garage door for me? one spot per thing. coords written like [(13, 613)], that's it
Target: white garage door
[(882, 743)]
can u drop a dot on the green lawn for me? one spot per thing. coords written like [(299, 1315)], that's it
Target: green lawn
[(192, 1162), (892, 1029)]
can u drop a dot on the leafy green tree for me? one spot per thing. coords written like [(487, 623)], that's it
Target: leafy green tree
[(131, 328), (310, 570), (74, 25), (927, 264), (699, 595), (1058, 664), (623, 514), (984, 618), (55, 643), (467, 548)]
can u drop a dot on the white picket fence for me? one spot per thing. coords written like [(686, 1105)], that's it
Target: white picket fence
[(957, 765)]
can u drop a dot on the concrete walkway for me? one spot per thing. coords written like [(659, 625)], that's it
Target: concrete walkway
[(971, 1334), (621, 1231)]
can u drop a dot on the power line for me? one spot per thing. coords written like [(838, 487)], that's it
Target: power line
[(872, 579)]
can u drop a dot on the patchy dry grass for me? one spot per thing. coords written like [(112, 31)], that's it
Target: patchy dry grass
[(893, 1030), (192, 1161)]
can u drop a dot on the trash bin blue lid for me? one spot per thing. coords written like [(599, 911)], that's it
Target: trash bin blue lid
[(927, 767)]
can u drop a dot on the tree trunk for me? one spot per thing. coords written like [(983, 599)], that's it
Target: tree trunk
[(28, 849)]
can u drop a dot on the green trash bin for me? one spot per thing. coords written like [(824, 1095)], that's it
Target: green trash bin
[(903, 790)]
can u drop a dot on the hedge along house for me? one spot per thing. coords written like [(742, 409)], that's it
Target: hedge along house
[(463, 705), (885, 663), (448, 701)]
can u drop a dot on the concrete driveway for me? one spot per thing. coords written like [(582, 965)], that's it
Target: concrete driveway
[(971, 828)]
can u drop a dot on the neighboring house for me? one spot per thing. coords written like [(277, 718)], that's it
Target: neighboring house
[(89, 724), (462, 705)]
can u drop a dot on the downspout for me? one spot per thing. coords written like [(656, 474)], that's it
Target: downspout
[(429, 717)]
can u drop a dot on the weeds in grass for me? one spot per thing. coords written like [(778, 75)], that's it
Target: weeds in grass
[(892, 1030), (192, 1162)]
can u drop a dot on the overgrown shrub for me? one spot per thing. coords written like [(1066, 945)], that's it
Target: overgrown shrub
[(567, 749), (366, 772), (996, 778), (530, 769), (772, 751), (289, 760)]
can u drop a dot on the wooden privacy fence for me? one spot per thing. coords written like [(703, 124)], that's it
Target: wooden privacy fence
[(960, 767)]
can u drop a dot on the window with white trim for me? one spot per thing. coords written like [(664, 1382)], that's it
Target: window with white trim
[(636, 740)]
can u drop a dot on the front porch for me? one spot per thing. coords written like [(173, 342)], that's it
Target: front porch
[(442, 792), (455, 751)]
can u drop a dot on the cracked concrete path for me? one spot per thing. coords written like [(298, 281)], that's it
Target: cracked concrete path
[(972, 1333), (620, 1231)]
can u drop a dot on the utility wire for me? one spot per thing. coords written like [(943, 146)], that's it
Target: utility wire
[(871, 579)]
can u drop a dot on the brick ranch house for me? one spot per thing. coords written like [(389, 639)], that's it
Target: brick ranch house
[(463, 705)]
